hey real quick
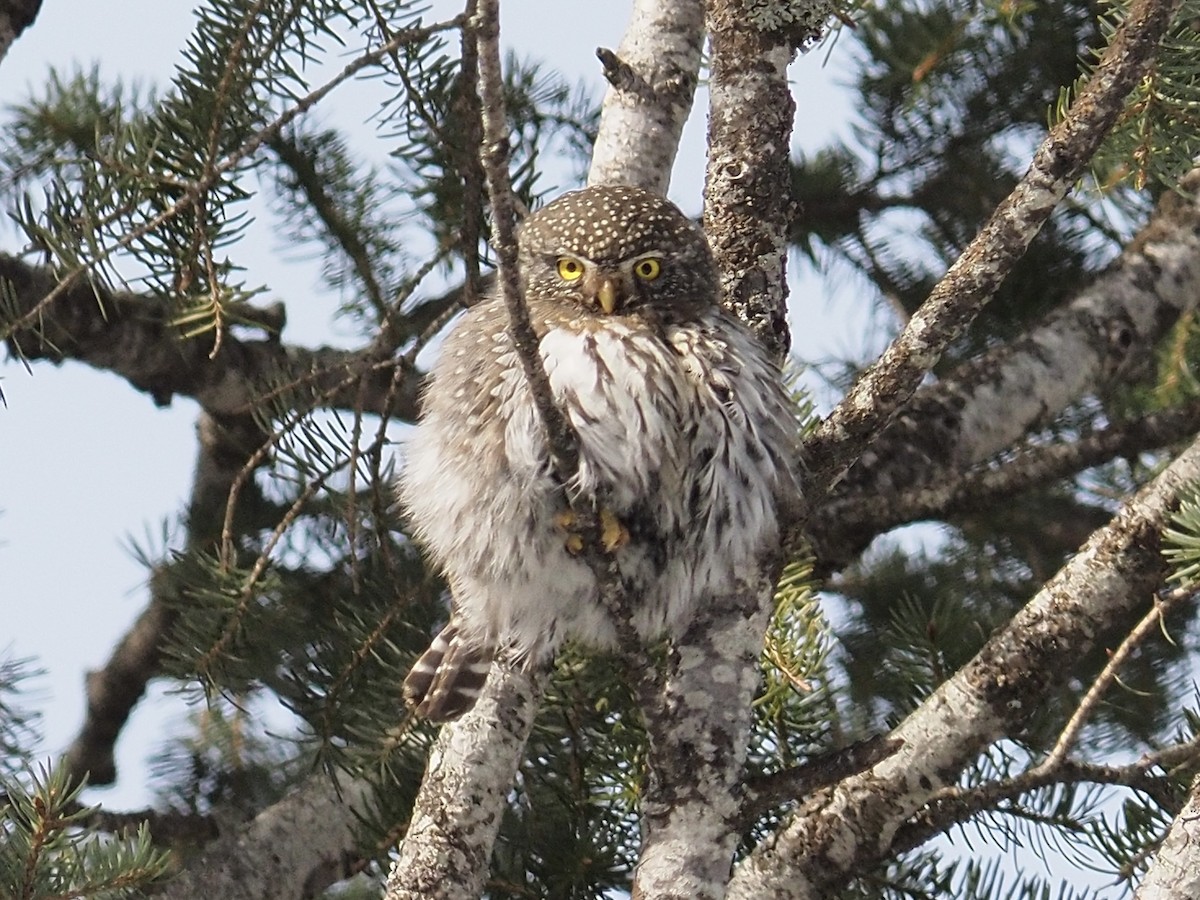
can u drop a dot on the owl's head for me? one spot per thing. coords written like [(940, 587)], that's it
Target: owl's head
[(613, 250)]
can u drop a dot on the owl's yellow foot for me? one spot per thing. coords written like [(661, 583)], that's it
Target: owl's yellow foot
[(613, 535), (574, 541)]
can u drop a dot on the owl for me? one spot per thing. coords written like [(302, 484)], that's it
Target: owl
[(687, 442)]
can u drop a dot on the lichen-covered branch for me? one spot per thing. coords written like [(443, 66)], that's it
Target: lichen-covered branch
[(1107, 333), (652, 80), (295, 848), (855, 823), (447, 849), (1175, 869), (747, 205), (700, 733), (972, 280)]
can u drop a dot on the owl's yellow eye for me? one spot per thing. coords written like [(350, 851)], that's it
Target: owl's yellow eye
[(569, 269), (648, 269)]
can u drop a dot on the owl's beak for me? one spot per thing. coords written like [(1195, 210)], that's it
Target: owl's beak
[(606, 295)]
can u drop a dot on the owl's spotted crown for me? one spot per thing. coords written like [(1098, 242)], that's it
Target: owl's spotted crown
[(609, 223)]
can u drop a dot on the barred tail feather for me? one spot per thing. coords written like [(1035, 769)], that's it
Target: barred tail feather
[(446, 680)]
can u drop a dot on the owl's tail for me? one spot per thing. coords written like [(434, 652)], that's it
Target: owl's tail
[(445, 682)]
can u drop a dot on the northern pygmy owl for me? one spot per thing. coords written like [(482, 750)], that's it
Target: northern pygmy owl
[(686, 439)]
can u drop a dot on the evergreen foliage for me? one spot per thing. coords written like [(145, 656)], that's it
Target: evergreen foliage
[(316, 599), (19, 732), (47, 851)]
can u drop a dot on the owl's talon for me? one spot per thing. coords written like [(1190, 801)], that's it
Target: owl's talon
[(613, 534)]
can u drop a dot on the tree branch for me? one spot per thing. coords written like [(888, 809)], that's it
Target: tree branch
[(651, 86), (447, 849), (855, 823), (1175, 869), (1151, 621), (957, 805), (15, 17), (699, 735), (292, 849), (815, 773), (843, 526), (1108, 332), (114, 689), (974, 277), (133, 337), (561, 437), (748, 207)]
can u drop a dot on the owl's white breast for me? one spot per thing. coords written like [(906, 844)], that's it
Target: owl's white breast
[(624, 392)]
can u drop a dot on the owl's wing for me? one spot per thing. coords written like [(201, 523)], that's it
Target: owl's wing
[(446, 680), (736, 368)]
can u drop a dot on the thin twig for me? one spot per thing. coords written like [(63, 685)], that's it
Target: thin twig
[(957, 804), (468, 163), (561, 437), (354, 373), (308, 181), (247, 594), (1108, 674)]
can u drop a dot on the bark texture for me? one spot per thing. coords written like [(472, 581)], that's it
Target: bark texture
[(746, 210), (852, 825), (446, 852), (691, 810), (700, 731), (292, 849), (1175, 870), (652, 80)]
